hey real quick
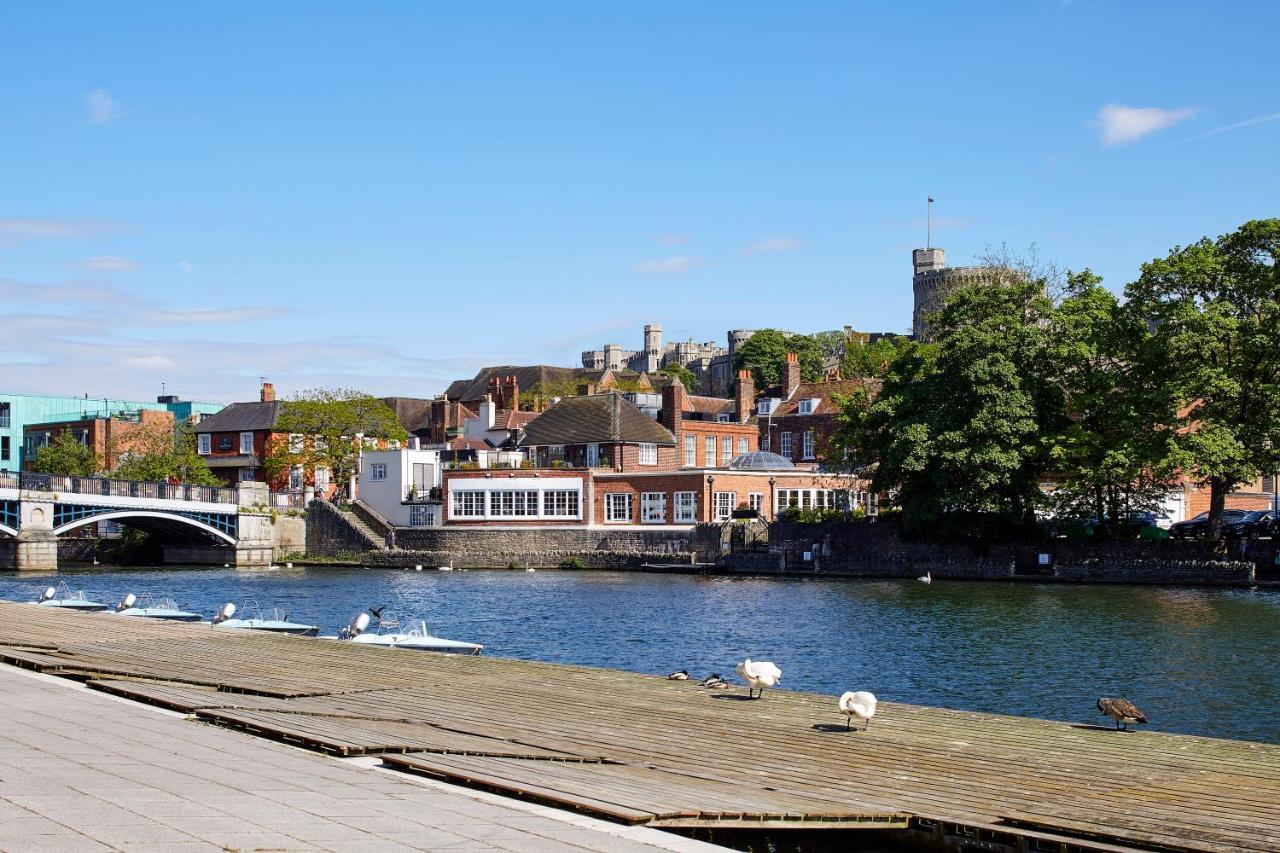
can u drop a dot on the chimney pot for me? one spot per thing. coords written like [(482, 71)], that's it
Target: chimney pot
[(790, 375), (268, 393)]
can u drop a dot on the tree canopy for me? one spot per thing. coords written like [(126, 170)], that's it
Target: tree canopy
[(66, 456), (684, 374), (766, 350), (157, 453)]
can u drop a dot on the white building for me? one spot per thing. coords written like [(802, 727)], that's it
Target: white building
[(402, 486)]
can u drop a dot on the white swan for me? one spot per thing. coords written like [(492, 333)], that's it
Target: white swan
[(927, 577), (759, 674), (861, 705)]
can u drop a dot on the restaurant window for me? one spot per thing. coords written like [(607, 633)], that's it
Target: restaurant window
[(516, 503), (617, 507), (686, 507), (468, 504), (561, 503), (653, 508), (723, 505)]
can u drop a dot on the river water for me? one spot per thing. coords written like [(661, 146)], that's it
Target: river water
[(1198, 661)]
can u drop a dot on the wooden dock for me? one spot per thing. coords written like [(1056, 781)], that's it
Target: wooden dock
[(644, 750)]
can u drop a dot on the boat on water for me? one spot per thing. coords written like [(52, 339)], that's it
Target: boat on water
[(62, 596), (258, 620), (147, 607), (388, 633)]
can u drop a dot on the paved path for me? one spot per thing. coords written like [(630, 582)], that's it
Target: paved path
[(80, 770)]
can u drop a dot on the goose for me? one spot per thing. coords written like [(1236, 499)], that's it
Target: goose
[(759, 674), (861, 705), (1122, 711), (927, 577), (679, 675)]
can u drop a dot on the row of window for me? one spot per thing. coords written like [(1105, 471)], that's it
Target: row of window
[(827, 499), (709, 450), (204, 443), (619, 506), (785, 446), (516, 503)]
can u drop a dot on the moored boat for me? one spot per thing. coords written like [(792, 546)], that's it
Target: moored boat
[(63, 597), (147, 607), (388, 634), (276, 623)]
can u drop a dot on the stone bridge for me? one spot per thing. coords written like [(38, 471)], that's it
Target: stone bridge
[(37, 509)]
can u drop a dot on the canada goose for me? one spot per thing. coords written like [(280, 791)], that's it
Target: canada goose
[(679, 675), (1122, 711), (927, 577), (759, 674), (861, 705)]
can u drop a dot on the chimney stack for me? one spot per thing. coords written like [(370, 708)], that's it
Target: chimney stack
[(511, 393), (744, 396), (672, 414), (268, 393), (790, 375)]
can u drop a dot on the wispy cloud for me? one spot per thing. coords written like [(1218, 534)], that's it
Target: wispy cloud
[(17, 229), (1249, 122), (106, 263), (102, 107), (678, 263), (1121, 125), (148, 362), (75, 291), (671, 239), (773, 244), (190, 316)]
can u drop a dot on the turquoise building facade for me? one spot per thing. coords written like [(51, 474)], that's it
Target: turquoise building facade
[(19, 410)]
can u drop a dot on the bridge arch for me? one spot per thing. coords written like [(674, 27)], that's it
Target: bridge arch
[(126, 515)]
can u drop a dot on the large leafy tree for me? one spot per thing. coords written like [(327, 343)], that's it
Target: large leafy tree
[(684, 374), (66, 456), (158, 453), (872, 358), (330, 425), (765, 351), (958, 424), (1214, 308)]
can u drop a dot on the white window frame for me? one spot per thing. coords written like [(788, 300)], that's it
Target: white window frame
[(420, 515), (755, 500), (726, 449), (295, 442), (561, 503), (744, 446), (204, 444), (784, 444), (647, 454), (593, 455), (723, 504), (807, 444), (296, 478), (710, 455), (807, 407), (653, 508), (321, 475), (246, 442), (685, 507), (691, 451), (378, 471), (617, 508), (468, 504)]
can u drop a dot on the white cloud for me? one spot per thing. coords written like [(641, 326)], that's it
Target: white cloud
[(102, 107), (773, 244), (148, 362), (14, 230), (187, 316), (184, 267), (107, 263), (679, 263), (1121, 125), (1246, 123)]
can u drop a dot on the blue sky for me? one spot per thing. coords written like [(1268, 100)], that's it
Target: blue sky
[(389, 196)]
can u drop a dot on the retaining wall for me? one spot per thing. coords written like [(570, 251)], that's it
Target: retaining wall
[(491, 546)]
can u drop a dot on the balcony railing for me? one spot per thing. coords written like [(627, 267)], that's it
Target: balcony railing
[(117, 488), (288, 500)]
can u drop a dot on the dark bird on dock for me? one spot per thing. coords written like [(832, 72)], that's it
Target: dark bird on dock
[(711, 680), (679, 675), (377, 612), (1122, 711)]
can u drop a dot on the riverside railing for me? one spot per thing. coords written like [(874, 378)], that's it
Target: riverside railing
[(118, 488)]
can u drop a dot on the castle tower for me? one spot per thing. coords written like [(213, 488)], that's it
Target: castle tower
[(652, 347), (612, 357)]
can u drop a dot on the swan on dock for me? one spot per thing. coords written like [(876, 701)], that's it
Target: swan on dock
[(759, 674), (861, 704), (1122, 711), (679, 675)]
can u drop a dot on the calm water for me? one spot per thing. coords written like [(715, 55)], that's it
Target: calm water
[(1199, 661)]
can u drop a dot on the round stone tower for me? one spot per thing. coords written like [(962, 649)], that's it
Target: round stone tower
[(652, 347)]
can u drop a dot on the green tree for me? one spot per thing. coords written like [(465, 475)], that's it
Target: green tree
[(1115, 452), (871, 359), (1214, 307), (158, 454), (330, 424), (958, 424), (765, 351), (66, 456), (684, 374)]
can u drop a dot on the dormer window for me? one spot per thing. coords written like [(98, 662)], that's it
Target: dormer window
[(808, 407), (766, 406)]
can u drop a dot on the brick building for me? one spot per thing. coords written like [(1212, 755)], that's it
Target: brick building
[(797, 419), (112, 437)]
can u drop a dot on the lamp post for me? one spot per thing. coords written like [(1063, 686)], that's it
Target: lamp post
[(773, 501)]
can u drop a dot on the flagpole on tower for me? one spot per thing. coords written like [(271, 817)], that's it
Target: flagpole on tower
[(928, 227)]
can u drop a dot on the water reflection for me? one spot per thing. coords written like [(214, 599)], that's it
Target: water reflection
[(1197, 660)]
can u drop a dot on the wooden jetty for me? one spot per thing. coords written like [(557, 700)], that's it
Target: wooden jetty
[(644, 750)]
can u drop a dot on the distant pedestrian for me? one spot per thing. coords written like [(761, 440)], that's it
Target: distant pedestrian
[(391, 538)]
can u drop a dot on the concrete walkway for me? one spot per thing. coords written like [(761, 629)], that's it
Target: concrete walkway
[(80, 770)]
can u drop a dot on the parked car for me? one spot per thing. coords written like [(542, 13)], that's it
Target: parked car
[(1198, 527), (1251, 525)]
